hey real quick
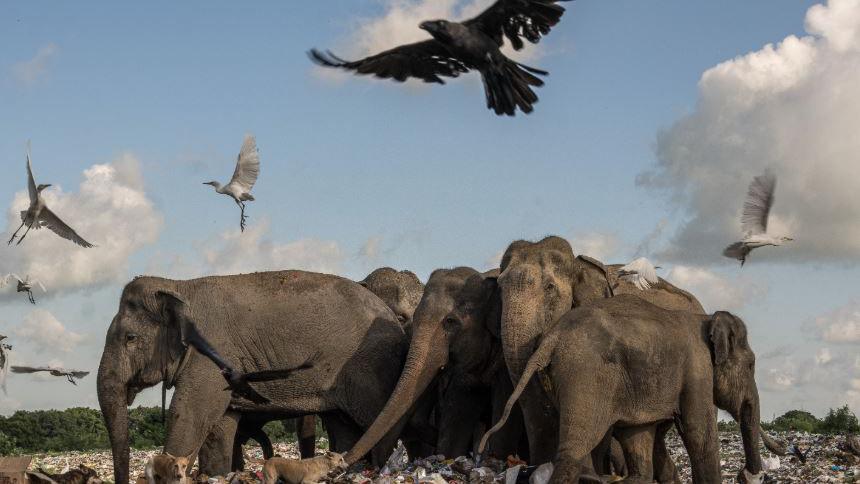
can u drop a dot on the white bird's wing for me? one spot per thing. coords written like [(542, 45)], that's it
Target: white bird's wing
[(4, 280), (736, 251), (16, 276), (247, 165), (758, 203), (60, 228), (31, 183)]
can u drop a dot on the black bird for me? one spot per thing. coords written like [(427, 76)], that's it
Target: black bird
[(237, 381), (794, 450), (457, 47)]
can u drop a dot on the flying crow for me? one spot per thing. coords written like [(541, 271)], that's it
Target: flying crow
[(457, 47)]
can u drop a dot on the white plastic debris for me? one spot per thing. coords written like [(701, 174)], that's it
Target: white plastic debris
[(542, 474), (770, 464), (511, 474)]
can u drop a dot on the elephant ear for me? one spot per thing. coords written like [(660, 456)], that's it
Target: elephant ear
[(493, 315), (584, 287), (174, 310), (722, 336)]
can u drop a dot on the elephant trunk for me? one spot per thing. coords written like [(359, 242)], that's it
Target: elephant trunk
[(773, 445), (113, 401), (751, 433), (428, 353)]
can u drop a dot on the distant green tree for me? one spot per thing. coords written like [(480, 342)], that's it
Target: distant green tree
[(795, 420), (7, 445), (728, 426), (839, 421)]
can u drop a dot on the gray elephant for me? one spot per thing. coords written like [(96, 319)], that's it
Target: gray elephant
[(261, 321), (654, 366), (399, 290), (539, 282)]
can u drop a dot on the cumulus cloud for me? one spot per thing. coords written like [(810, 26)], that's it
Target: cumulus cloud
[(715, 291), (29, 71), (398, 25), (110, 210), (789, 107), (46, 333), (842, 325), (237, 252)]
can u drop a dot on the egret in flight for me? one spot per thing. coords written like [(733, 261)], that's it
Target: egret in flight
[(641, 272), (247, 171), (38, 215), (70, 375), (754, 219), (24, 285)]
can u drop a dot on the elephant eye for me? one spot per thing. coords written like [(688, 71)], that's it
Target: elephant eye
[(451, 324), (129, 337), (549, 287)]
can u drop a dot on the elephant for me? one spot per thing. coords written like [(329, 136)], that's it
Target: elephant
[(654, 366), (539, 282), (260, 321), (399, 290), (436, 358)]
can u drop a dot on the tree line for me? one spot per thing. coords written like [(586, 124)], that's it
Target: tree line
[(82, 429)]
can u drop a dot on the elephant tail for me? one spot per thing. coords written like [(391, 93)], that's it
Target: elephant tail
[(539, 359), (773, 445)]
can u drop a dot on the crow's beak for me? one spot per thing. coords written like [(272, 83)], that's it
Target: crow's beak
[(428, 26), (47, 185)]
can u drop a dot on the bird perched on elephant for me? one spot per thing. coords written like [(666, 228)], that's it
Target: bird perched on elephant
[(458, 47), (261, 321), (638, 365)]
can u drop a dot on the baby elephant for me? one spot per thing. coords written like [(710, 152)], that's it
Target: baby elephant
[(305, 471), (626, 364), (166, 469)]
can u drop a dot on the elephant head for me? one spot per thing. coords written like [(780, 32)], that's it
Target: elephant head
[(143, 347), (734, 381), (428, 354), (399, 290)]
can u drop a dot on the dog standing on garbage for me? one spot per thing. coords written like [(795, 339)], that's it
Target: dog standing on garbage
[(305, 471), (166, 469)]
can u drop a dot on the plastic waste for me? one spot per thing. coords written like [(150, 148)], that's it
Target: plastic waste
[(542, 474)]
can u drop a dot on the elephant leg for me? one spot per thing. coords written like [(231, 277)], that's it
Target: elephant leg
[(638, 445), (343, 433), (616, 458), (508, 439), (600, 455), (198, 406), (665, 471), (583, 424), (541, 423), (697, 424), (306, 432), (218, 450)]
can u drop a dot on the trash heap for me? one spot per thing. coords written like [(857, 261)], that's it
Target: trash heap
[(826, 460)]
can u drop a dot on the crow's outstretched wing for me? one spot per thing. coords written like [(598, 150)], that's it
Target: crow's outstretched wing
[(79, 374), (28, 369), (758, 204), (235, 379), (518, 19), (426, 60)]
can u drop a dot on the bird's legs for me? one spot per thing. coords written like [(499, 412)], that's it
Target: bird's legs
[(25, 234), (15, 234), (243, 217), (71, 380), (30, 296)]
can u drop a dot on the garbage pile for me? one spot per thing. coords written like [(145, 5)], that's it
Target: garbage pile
[(826, 460)]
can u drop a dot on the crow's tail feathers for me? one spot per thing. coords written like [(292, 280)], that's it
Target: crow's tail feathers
[(509, 86)]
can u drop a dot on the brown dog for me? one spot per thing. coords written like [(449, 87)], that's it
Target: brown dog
[(166, 469), (305, 471), (81, 475)]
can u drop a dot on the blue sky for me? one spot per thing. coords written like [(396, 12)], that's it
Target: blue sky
[(359, 173)]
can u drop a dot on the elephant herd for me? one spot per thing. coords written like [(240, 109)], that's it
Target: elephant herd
[(565, 361)]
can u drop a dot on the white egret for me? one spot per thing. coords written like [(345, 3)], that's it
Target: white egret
[(38, 215), (641, 272), (754, 219), (70, 375), (24, 285), (244, 177)]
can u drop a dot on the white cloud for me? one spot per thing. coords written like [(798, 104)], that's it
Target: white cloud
[(399, 25), (371, 249), (599, 245), (110, 210), (715, 291), (842, 325), (46, 333), (236, 252), (790, 107), (29, 71)]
